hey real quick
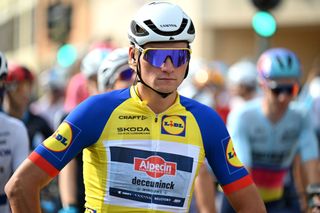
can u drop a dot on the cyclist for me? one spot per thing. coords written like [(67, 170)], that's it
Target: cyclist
[(14, 141), (242, 82), (269, 132), (143, 145), (115, 72), (90, 65)]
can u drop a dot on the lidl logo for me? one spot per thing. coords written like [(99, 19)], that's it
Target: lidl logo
[(232, 155), (61, 139), (155, 166), (174, 125)]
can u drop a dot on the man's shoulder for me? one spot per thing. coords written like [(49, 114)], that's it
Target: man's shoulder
[(111, 98), (11, 123), (191, 103)]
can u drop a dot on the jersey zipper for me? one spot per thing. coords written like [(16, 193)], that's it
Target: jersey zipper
[(156, 118)]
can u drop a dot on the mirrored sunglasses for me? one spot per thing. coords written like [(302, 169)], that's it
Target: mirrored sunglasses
[(126, 75), (157, 56)]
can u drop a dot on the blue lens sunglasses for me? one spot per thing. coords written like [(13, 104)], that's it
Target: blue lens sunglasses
[(157, 56)]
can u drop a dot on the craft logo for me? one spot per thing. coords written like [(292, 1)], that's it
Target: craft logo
[(60, 140), (232, 155), (132, 117), (155, 166), (174, 125)]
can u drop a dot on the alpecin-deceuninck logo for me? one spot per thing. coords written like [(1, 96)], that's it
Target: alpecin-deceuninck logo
[(155, 166), (173, 125)]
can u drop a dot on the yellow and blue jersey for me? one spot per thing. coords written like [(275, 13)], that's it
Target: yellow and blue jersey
[(139, 161)]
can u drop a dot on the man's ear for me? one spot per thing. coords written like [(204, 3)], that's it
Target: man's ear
[(132, 60)]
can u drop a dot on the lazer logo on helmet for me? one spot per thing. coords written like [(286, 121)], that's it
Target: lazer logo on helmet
[(168, 25), (155, 166), (60, 140)]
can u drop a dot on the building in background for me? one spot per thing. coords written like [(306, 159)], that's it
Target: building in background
[(224, 30)]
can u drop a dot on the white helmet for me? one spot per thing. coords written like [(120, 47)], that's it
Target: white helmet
[(111, 67), (160, 22), (91, 62), (243, 72), (3, 65)]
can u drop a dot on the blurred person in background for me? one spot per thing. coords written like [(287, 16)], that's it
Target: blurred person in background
[(49, 105), (76, 91), (309, 102), (14, 143), (20, 85), (207, 85), (242, 83), (309, 96), (270, 131), (115, 72), (90, 65), (80, 86)]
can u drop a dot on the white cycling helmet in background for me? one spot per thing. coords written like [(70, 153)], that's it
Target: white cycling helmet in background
[(244, 73), (111, 67), (3, 65), (161, 22), (91, 62)]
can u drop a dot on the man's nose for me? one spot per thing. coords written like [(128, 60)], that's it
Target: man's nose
[(167, 65)]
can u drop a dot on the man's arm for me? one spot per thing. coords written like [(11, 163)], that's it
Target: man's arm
[(68, 184), (204, 191), (311, 168), (23, 188), (247, 200)]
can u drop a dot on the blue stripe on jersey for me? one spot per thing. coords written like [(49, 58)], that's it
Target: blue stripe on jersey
[(126, 155), (91, 117), (213, 141)]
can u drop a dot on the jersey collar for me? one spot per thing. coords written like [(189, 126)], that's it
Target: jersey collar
[(135, 95)]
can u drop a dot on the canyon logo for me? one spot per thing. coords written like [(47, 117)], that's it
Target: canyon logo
[(155, 166)]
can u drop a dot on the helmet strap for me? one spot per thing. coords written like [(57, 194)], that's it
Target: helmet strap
[(2, 91)]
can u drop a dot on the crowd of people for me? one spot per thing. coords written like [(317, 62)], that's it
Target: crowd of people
[(148, 128)]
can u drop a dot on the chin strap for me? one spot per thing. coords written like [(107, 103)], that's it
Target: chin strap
[(2, 91), (162, 94)]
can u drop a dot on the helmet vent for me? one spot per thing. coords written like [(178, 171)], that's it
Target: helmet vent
[(289, 61), (280, 62), (137, 30), (191, 29), (153, 27)]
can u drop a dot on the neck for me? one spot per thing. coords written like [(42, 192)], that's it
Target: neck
[(12, 109), (271, 112), (156, 103)]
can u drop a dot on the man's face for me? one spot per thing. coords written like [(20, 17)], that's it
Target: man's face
[(279, 93), (167, 77), (19, 94)]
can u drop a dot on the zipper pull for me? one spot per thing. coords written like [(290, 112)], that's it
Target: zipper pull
[(156, 118)]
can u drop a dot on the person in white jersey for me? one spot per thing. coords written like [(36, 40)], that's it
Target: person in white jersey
[(14, 141)]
